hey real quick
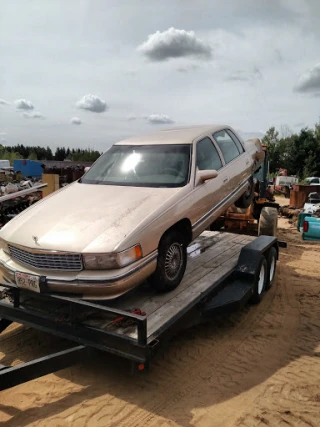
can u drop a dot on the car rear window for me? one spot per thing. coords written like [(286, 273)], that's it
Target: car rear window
[(227, 146), (236, 141)]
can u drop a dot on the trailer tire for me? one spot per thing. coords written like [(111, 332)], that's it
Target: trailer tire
[(259, 281), (172, 262), (268, 222), (271, 257), (247, 198)]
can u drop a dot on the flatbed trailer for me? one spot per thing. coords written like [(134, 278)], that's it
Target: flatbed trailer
[(223, 272)]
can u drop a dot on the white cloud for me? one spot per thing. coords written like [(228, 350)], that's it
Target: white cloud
[(92, 103), (157, 119), (108, 64), (34, 115), (131, 117), (4, 102), (248, 135), (76, 121), (23, 104), (309, 81), (245, 75), (132, 74), (174, 43), (192, 67)]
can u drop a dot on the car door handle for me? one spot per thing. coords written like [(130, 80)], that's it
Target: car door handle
[(225, 180)]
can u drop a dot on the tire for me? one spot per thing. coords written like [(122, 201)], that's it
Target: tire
[(172, 262), (268, 222), (271, 257), (260, 280), (246, 198)]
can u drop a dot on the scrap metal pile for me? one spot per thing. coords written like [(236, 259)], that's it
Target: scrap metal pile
[(16, 195), (312, 207)]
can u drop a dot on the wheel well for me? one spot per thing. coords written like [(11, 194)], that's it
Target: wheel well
[(184, 227)]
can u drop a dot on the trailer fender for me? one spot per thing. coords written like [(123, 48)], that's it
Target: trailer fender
[(250, 256)]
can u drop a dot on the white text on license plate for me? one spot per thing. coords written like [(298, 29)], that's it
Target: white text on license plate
[(28, 281)]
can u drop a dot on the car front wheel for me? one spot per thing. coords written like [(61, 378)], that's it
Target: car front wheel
[(171, 264)]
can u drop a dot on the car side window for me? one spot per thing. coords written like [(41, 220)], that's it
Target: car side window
[(314, 181), (227, 146), (236, 141), (207, 155)]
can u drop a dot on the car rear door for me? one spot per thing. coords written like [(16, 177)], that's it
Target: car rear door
[(236, 159)]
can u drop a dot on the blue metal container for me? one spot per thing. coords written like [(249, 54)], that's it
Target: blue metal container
[(28, 168)]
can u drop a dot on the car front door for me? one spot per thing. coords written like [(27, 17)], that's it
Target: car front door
[(208, 194)]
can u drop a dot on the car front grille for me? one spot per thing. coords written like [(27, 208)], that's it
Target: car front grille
[(47, 260)]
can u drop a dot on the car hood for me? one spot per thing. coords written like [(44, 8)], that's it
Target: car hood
[(86, 217)]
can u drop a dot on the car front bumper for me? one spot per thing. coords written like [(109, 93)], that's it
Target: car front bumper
[(88, 284)]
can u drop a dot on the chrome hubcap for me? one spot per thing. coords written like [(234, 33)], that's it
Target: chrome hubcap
[(173, 261)]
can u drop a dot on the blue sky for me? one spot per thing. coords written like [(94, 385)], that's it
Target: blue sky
[(88, 73)]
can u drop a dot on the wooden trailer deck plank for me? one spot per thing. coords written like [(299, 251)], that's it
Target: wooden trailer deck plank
[(211, 257), (148, 300), (145, 295), (189, 296), (205, 272)]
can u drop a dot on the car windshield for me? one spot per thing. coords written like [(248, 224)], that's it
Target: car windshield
[(142, 166)]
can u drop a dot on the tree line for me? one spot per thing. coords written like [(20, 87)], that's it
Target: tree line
[(21, 151), (299, 153)]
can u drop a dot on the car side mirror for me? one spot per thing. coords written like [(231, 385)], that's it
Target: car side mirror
[(205, 175), (86, 169)]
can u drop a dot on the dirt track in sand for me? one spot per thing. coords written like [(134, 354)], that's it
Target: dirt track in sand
[(257, 367)]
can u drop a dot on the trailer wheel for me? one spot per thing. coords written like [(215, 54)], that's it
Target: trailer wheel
[(260, 280), (268, 222), (172, 262), (271, 257), (247, 197)]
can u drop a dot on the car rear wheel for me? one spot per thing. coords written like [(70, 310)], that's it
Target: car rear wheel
[(246, 198), (171, 264)]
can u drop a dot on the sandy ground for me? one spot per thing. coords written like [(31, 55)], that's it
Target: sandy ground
[(257, 367)]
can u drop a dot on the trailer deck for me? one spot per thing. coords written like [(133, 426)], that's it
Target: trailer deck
[(133, 325), (211, 258)]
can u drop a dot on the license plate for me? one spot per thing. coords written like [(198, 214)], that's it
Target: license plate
[(28, 281)]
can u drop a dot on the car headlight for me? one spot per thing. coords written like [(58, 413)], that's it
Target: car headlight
[(112, 260), (4, 246)]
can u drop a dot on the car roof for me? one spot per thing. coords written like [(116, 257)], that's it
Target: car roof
[(179, 135)]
